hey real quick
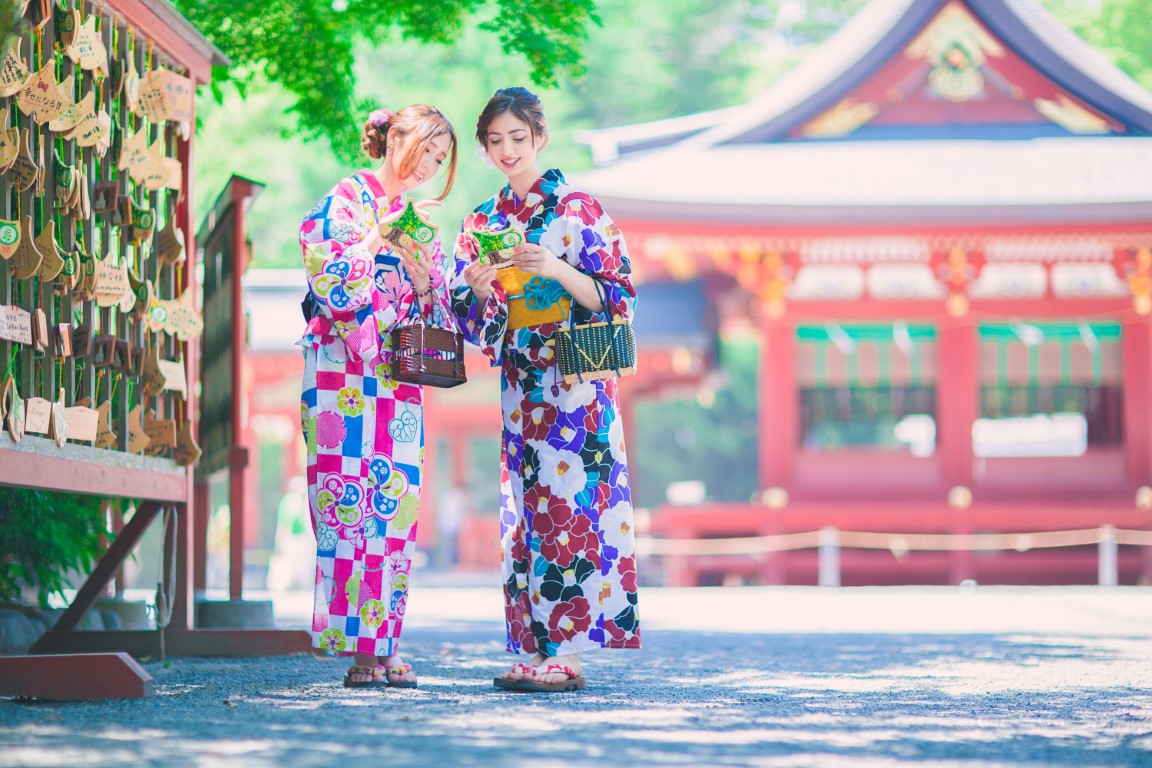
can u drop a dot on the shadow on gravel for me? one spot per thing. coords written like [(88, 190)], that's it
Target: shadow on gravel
[(686, 699)]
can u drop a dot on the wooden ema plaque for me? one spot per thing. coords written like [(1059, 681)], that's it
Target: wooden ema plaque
[(137, 438), (26, 260), (15, 325), (13, 408), (161, 435), (105, 437), (13, 72), (40, 97), (37, 415), (187, 451), (83, 423), (9, 238), (52, 261)]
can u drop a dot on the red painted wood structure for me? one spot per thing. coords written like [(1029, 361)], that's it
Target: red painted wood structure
[(152, 35), (942, 223)]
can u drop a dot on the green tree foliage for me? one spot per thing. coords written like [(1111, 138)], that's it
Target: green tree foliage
[(46, 537), (308, 46), (1120, 29)]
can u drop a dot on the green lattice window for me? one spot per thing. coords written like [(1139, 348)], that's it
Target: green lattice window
[(1049, 388), (867, 385)]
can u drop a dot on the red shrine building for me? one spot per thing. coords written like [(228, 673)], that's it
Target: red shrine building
[(940, 225)]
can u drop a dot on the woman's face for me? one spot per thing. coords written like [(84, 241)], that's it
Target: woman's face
[(511, 145), (433, 156)]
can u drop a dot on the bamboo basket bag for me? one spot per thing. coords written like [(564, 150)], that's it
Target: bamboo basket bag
[(599, 350)]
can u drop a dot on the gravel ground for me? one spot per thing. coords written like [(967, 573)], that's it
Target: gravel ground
[(757, 677)]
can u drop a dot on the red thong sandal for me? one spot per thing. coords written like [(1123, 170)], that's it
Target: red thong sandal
[(385, 670), (357, 669), (574, 682), (509, 684)]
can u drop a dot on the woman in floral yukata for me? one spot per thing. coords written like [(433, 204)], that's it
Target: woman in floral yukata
[(364, 431), (569, 563)]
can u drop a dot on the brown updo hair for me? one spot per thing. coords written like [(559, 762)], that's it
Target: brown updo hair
[(420, 122), (522, 103)]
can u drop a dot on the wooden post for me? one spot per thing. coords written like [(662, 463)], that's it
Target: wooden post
[(779, 402), (957, 408)]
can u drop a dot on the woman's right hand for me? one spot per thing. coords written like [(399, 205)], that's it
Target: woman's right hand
[(480, 277)]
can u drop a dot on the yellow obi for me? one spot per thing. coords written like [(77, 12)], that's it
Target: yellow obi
[(532, 299)]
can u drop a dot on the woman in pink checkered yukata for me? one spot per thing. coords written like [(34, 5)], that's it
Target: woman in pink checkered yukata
[(365, 431)]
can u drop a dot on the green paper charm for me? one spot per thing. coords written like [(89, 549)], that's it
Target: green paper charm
[(409, 229), (497, 246)]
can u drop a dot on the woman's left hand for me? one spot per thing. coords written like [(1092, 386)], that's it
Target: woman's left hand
[(418, 269), (536, 260)]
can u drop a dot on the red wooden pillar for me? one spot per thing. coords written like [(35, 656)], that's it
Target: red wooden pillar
[(200, 514), (432, 479), (1136, 353), (779, 402), (957, 408)]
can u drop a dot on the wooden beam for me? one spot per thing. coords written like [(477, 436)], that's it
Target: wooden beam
[(106, 569), (74, 678), (177, 642), (36, 462)]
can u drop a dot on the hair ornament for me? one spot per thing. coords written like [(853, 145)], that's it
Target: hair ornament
[(379, 118)]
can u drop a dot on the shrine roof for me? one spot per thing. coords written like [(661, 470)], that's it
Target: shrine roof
[(932, 105)]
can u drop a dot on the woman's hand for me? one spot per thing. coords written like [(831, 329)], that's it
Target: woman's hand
[(537, 260), (418, 269), (480, 277)]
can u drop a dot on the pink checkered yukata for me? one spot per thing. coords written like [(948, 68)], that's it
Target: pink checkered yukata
[(364, 431)]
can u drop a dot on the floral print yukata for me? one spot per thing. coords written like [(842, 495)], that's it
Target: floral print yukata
[(569, 558), (364, 431)]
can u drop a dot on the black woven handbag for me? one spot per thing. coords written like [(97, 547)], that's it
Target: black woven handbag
[(591, 351)]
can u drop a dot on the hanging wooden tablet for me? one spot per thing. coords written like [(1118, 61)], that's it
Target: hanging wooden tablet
[(175, 380), (40, 97), (87, 287), (83, 423), (9, 238), (13, 72), (111, 283), (67, 28), (143, 291), (187, 452), (155, 171), (69, 276), (137, 437), (175, 175), (176, 317), (62, 341), (161, 435), (52, 261), (179, 97), (103, 134), (115, 82), (125, 357), (73, 114), (24, 169), (26, 260), (131, 85), (151, 102), (15, 325), (152, 376), (81, 341), (105, 437), (9, 142), (104, 351), (37, 415), (170, 243), (104, 196), (40, 338), (122, 214), (90, 129), (14, 409), (133, 153), (88, 49), (143, 223), (58, 427)]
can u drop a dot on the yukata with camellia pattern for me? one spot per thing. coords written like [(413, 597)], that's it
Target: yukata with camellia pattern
[(566, 522), (364, 431)]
